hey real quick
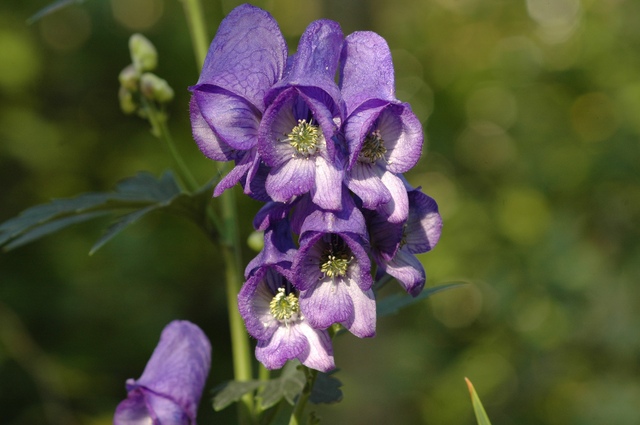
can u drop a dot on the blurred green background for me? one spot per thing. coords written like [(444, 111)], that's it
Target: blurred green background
[(532, 115)]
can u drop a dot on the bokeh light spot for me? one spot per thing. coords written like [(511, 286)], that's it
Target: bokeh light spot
[(523, 215), (593, 117), (24, 66), (137, 15), (66, 30)]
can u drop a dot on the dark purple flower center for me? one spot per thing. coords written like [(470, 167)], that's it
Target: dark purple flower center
[(335, 259), (373, 148)]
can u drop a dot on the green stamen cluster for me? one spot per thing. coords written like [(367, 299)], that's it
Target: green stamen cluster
[(304, 138), (334, 264), (284, 307), (373, 148)]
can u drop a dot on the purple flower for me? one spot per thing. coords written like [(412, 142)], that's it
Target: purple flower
[(298, 135), (384, 136), (269, 305), (333, 272), (247, 57), (394, 245), (169, 390)]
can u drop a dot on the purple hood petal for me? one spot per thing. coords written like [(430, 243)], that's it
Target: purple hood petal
[(170, 387)]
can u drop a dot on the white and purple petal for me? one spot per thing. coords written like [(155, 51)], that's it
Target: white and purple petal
[(424, 224), (397, 209), (407, 270)]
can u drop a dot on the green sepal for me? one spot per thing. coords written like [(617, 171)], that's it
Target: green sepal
[(395, 302)]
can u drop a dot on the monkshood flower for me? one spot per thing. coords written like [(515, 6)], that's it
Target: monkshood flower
[(269, 305), (247, 57), (333, 272), (298, 135), (383, 135), (169, 390), (394, 245)]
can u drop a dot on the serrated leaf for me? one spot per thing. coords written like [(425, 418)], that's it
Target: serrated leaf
[(478, 409), (233, 391), (57, 5), (141, 194), (288, 385), (326, 389), (394, 303)]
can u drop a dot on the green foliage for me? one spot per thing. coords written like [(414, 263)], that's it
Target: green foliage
[(142, 194), (478, 409), (326, 389)]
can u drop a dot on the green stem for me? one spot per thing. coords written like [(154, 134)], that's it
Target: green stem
[(298, 411), (242, 358), (197, 29), (184, 172)]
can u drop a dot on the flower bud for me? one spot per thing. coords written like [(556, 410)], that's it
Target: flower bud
[(129, 78), (155, 88), (256, 241), (127, 104), (143, 53)]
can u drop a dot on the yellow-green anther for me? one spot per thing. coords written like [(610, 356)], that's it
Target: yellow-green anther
[(129, 78), (373, 148), (143, 53), (304, 138), (155, 88), (333, 265), (283, 307), (127, 104)]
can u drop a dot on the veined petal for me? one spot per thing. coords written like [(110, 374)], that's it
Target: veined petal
[(363, 321), (366, 69), (208, 142), (253, 303), (319, 356), (358, 125), (385, 236), (408, 270), (176, 371), (295, 177), (326, 302), (364, 180), (233, 119), (327, 191), (247, 55), (347, 220), (315, 63), (278, 121), (286, 343), (143, 407), (424, 224), (397, 209), (236, 174)]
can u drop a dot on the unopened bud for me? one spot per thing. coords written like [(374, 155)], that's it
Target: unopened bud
[(256, 241), (155, 88), (127, 104), (129, 78), (143, 53)]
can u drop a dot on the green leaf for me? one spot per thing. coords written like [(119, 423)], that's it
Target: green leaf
[(233, 391), (288, 385), (326, 389), (394, 303), (132, 198), (478, 409)]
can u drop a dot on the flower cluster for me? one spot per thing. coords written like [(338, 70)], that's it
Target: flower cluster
[(328, 160)]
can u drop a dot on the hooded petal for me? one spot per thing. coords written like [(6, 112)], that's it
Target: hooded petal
[(319, 356), (232, 118), (247, 56), (366, 69), (315, 62), (208, 142), (348, 220), (176, 372), (402, 134)]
